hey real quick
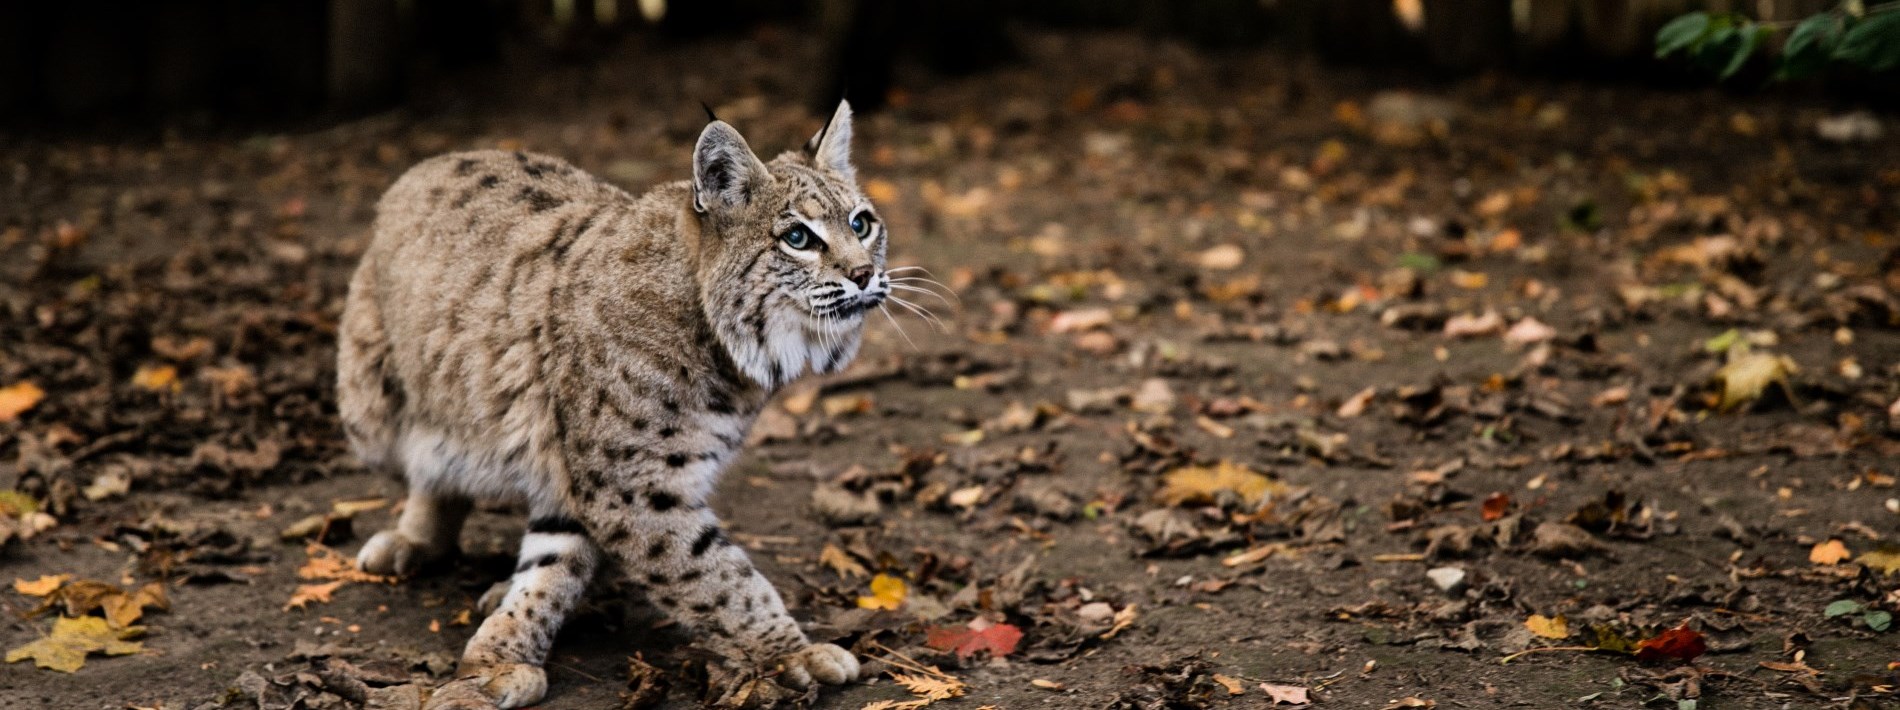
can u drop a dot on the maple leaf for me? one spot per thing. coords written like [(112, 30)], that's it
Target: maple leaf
[(43, 586), (887, 592), (125, 608), (18, 397), (1550, 627), (306, 593), (1681, 643), (1202, 484), (980, 635), (1747, 376), (72, 639), (1829, 553)]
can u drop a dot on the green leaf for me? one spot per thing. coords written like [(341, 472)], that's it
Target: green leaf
[(1681, 33), (1752, 36), (1842, 608), (1718, 49), (1810, 45), (1872, 43), (1877, 620)]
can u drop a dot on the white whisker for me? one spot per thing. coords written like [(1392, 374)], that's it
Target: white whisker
[(921, 312), (894, 324), (925, 291)]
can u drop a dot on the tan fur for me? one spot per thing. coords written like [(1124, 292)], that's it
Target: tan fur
[(521, 331)]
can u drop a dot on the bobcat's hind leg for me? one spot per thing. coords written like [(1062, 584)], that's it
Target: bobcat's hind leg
[(502, 663), (427, 531)]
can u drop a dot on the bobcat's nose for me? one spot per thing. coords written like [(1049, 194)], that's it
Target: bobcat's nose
[(861, 276)]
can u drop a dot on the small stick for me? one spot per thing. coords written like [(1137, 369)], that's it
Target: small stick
[(910, 664), (1541, 649)]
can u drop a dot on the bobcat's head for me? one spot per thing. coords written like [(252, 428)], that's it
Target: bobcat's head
[(791, 254)]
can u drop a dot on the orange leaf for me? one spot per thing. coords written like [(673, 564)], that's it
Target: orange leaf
[(18, 397), (306, 593), (999, 639), (1495, 506), (1829, 553), (1680, 643), (42, 586), (156, 378)]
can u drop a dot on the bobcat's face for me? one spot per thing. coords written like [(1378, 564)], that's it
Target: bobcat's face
[(792, 257)]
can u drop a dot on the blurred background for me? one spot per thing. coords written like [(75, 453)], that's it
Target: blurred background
[(237, 62)]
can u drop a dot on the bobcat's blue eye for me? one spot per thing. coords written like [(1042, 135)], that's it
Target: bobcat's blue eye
[(798, 237), (861, 224)]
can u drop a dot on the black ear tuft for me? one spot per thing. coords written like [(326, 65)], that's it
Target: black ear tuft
[(709, 112)]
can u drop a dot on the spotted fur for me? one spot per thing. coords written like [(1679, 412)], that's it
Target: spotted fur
[(521, 331)]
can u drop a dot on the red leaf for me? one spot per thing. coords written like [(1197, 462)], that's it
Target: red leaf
[(1680, 643), (998, 639), (1495, 507)]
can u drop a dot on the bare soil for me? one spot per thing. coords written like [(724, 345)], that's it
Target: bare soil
[(1159, 259)]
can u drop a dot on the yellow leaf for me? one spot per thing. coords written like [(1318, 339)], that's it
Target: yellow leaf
[(1748, 374), (72, 639), (306, 593), (887, 592), (1886, 559), (156, 378), (839, 561), (18, 397), (124, 609), (42, 586), (930, 687), (326, 563), (1550, 627), (1201, 484), (1829, 553)]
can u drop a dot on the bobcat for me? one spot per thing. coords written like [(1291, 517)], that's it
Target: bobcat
[(521, 331)]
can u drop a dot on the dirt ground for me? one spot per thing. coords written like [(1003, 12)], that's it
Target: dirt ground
[(1237, 349)]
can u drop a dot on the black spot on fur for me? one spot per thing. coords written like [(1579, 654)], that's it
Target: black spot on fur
[(702, 609), (464, 166), (668, 432), (626, 497), (691, 576), (489, 181), (658, 580), (656, 549), (706, 539), (676, 460), (539, 200), (556, 525), (541, 561), (662, 501)]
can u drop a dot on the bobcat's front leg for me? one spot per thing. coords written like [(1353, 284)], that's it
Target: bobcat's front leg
[(657, 526)]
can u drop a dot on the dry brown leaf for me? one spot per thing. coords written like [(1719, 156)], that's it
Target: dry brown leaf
[(930, 687), (840, 562), (42, 586), (307, 593), (1286, 694), (1356, 404), (18, 397), (327, 563), (1747, 376), (1202, 484), (1231, 683)]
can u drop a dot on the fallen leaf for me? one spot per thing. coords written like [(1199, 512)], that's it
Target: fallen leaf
[(1470, 326), (1203, 485), (930, 687), (42, 586), (1286, 694), (1080, 320), (1680, 643), (1356, 404), (1747, 376), (1829, 553), (156, 378), (307, 593), (72, 639), (124, 609), (999, 639), (1411, 702), (18, 397), (1495, 506), (1529, 331), (887, 592), (1550, 627), (327, 563), (840, 562), (1231, 683), (1886, 559), (1221, 258)]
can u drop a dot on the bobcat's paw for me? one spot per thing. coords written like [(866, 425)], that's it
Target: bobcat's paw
[(824, 662), (391, 553), (497, 687)]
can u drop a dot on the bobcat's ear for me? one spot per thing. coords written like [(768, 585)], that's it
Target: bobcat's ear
[(831, 148), (725, 172)]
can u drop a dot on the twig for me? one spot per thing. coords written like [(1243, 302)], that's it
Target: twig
[(1541, 649), (910, 664), (576, 671)]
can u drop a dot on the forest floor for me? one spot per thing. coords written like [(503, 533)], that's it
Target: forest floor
[(1261, 381)]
